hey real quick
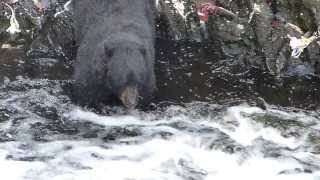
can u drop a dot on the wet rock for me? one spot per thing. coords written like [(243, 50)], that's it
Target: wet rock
[(300, 70), (252, 33), (257, 33), (115, 133), (35, 25)]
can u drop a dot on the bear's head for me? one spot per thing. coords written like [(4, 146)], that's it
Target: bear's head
[(129, 73)]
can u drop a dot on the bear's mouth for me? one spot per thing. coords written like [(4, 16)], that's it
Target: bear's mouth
[(129, 97)]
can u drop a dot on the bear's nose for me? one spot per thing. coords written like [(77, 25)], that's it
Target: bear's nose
[(129, 97)]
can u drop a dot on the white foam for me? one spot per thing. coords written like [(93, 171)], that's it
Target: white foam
[(181, 156), (248, 131), (15, 170)]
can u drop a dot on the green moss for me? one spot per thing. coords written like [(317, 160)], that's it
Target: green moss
[(270, 120), (300, 14), (4, 25), (314, 138)]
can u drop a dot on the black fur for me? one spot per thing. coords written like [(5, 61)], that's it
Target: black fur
[(116, 48)]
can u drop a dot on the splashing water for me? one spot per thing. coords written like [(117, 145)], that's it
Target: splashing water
[(195, 142), (44, 136)]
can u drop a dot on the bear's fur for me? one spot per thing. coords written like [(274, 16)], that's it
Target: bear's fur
[(115, 57)]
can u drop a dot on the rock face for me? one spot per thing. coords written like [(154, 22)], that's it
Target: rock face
[(41, 27), (275, 35), (115, 57)]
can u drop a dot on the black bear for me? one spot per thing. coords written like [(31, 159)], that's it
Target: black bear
[(115, 57)]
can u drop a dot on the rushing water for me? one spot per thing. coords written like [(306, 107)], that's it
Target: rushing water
[(207, 123)]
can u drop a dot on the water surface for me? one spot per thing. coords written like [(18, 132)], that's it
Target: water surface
[(207, 122)]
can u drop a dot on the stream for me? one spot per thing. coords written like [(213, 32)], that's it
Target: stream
[(208, 122)]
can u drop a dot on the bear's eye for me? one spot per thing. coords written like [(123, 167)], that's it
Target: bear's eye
[(143, 52), (109, 52)]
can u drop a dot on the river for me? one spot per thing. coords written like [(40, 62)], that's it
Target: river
[(208, 122)]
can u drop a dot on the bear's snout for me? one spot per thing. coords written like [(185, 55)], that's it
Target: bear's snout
[(127, 74)]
